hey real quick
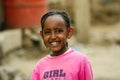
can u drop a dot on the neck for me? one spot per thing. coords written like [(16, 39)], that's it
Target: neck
[(62, 51)]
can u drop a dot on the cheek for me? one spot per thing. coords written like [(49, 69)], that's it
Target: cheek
[(45, 39), (63, 37)]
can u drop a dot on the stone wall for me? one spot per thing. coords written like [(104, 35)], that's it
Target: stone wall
[(105, 11), (10, 39)]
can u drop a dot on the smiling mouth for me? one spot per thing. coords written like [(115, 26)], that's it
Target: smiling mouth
[(55, 43)]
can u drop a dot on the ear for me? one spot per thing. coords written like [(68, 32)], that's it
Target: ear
[(70, 32), (41, 34)]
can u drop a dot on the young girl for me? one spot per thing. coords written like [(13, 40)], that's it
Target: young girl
[(62, 63)]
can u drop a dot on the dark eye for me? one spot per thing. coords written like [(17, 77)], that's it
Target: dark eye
[(47, 32), (58, 30)]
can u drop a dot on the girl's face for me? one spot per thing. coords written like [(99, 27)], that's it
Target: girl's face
[(55, 34)]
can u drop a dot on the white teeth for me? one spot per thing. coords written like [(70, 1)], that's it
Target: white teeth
[(54, 43)]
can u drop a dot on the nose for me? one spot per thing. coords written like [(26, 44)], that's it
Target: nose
[(53, 35)]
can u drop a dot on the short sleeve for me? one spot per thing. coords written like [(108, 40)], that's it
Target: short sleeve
[(85, 70), (88, 71)]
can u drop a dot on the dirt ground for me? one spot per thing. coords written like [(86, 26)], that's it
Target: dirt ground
[(105, 61)]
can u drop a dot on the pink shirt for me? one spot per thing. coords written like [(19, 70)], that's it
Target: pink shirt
[(71, 65)]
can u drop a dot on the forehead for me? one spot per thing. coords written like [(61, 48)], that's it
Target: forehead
[(56, 16), (54, 19)]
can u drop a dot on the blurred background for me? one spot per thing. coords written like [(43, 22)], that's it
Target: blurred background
[(97, 34)]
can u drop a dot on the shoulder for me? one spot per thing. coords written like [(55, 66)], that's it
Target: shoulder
[(79, 56)]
